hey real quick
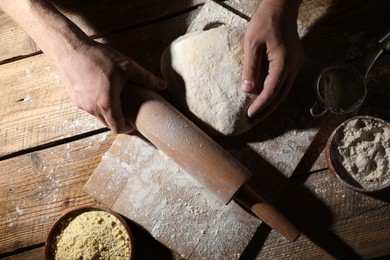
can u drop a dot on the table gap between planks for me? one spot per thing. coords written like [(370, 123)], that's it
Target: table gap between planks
[(49, 148)]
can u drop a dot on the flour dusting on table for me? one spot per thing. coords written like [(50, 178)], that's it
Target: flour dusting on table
[(173, 207)]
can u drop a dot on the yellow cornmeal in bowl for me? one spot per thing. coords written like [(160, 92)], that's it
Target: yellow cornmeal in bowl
[(91, 235)]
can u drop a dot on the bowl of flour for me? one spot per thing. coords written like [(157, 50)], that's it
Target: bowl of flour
[(358, 153), (89, 233)]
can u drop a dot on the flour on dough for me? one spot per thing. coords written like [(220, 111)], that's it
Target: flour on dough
[(203, 72)]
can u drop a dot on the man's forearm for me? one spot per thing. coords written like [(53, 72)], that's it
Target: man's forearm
[(53, 32)]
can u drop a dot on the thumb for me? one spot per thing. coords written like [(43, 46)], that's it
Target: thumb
[(142, 77), (251, 69)]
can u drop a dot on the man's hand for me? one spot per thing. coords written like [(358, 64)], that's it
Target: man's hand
[(95, 76), (272, 55)]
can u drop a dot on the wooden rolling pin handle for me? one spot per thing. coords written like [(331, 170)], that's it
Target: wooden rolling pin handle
[(267, 213), (198, 154)]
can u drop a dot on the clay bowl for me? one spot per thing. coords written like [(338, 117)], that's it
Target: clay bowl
[(358, 174), (116, 222)]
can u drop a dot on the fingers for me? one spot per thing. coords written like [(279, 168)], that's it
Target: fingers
[(251, 68), (110, 113), (115, 118), (111, 106), (108, 106), (272, 85), (275, 103), (142, 77)]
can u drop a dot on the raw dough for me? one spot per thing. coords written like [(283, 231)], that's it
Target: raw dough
[(203, 72)]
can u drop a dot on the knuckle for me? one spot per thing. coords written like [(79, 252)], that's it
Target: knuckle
[(252, 42), (249, 68), (271, 92), (88, 109)]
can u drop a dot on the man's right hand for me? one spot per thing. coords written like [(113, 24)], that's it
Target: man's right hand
[(95, 76)]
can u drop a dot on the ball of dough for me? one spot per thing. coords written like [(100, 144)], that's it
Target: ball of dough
[(203, 72)]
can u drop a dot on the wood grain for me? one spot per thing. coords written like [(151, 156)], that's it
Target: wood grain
[(95, 19), (336, 222), (346, 31), (149, 188), (35, 108), (364, 236), (37, 188)]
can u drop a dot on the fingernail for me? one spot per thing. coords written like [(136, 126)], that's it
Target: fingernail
[(250, 113), (247, 85)]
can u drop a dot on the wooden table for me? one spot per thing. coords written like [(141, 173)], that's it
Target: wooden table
[(49, 148)]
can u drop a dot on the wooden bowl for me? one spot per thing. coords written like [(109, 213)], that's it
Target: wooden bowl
[(361, 171), (100, 217)]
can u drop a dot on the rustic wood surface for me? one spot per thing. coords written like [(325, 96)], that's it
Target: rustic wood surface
[(37, 109), (49, 149), (95, 19)]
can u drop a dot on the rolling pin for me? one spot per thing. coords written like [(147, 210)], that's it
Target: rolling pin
[(199, 155)]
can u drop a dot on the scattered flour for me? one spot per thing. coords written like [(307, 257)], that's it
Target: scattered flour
[(364, 151), (19, 211), (177, 210)]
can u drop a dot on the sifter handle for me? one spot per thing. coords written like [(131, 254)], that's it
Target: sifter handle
[(365, 62), (385, 41)]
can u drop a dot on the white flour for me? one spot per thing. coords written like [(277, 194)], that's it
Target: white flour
[(364, 150), (174, 208)]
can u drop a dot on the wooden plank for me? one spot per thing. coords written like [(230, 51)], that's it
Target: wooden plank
[(357, 237), (93, 18), (310, 11), (14, 41), (35, 108), (143, 184), (37, 188), (214, 13), (151, 39), (342, 34), (145, 248), (337, 223)]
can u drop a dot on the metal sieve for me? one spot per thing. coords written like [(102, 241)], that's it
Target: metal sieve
[(341, 87)]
